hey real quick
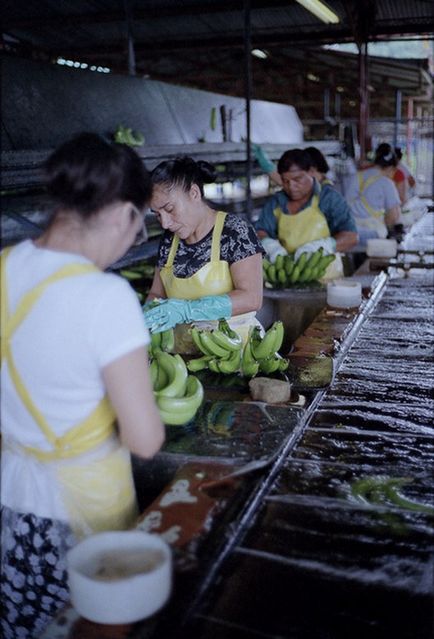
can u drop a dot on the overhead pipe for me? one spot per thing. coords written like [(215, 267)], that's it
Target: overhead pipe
[(248, 93)]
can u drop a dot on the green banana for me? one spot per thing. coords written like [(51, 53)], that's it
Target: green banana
[(159, 376), (269, 365), (208, 343), (130, 275), (301, 262), (195, 336), (271, 274), (167, 342), (153, 371), (281, 276), (283, 364), (190, 401), (266, 263), (249, 365), (198, 364), (295, 274), (326, 260), (306, 275), (155, 341), (278, 262), (280, 334), (315, 258), (230, 365), (177, 373), (266, 346), (213, 366), (226, 338), (288, 264)]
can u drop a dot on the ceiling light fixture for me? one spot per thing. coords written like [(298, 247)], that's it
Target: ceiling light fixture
[(320, 10), (260, 53)]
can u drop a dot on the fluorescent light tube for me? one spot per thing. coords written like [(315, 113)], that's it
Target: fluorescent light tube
[(320, 10)]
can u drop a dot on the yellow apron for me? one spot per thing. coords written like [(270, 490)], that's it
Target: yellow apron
[(98, 493), (375, 221), (294, 230), (213, 278)]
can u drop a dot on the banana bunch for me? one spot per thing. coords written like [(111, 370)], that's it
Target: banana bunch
[(178, 394), (164, 341), (285, 271), (227, 356), (124, 135), (221, 348), (138, 272), (261, 352)]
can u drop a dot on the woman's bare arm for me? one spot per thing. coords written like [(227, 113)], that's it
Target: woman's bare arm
[(157, 287), (130, 392), (247, 279)]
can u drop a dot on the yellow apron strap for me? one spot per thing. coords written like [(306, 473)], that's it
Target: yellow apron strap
[(91, 432), (216, 236), (172, 252), (363, 185), (80, 437), (4, 305), (30, 298)]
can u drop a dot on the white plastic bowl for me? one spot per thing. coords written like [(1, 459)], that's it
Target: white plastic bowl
[(119, 599), (344, 293), (381, 248)]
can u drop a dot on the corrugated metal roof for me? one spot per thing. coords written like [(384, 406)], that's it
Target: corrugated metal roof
[(200, 42)]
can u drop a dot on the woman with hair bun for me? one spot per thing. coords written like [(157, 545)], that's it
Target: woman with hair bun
[(373, 196), (209, 262), (76, 391)]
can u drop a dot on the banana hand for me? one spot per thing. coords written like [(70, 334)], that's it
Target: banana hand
[(177, 373)]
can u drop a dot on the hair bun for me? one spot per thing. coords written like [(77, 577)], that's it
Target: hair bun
[(207, 171)]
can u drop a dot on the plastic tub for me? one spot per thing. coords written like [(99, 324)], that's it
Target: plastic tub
[(119, 577), (381, 248), (344, 293)]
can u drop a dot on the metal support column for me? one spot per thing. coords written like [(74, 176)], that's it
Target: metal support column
[(248, 93), (363, 95), (398, 115), (130, 39)]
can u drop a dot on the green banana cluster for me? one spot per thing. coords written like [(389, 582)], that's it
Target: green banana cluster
[(261, 352), (178, 395), (223, 351), (221, 348), (164, 341), (124, 135), (286, 271)]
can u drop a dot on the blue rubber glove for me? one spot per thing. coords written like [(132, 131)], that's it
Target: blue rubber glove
[(173, 311), (328, 245), (262, 159), (273, 248)]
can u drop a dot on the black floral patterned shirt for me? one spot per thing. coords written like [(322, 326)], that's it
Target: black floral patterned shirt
[(238, 241)]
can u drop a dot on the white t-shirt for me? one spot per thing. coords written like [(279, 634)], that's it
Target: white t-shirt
[(380, 194), (78, 326)]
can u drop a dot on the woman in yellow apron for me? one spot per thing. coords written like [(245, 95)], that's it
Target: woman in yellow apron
[(305, 216), (73, 350), (209, 263), (374, 197)]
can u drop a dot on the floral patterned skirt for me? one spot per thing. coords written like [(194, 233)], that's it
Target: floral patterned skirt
[(33, 572)]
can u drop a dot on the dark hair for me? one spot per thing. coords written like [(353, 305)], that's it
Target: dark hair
[(183, 172), (385, 156), (300, 157), (88, 172), (398, 152), (318, 160)]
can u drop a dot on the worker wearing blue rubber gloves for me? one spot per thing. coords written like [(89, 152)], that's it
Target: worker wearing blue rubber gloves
[(305, 216), (209, 263)]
